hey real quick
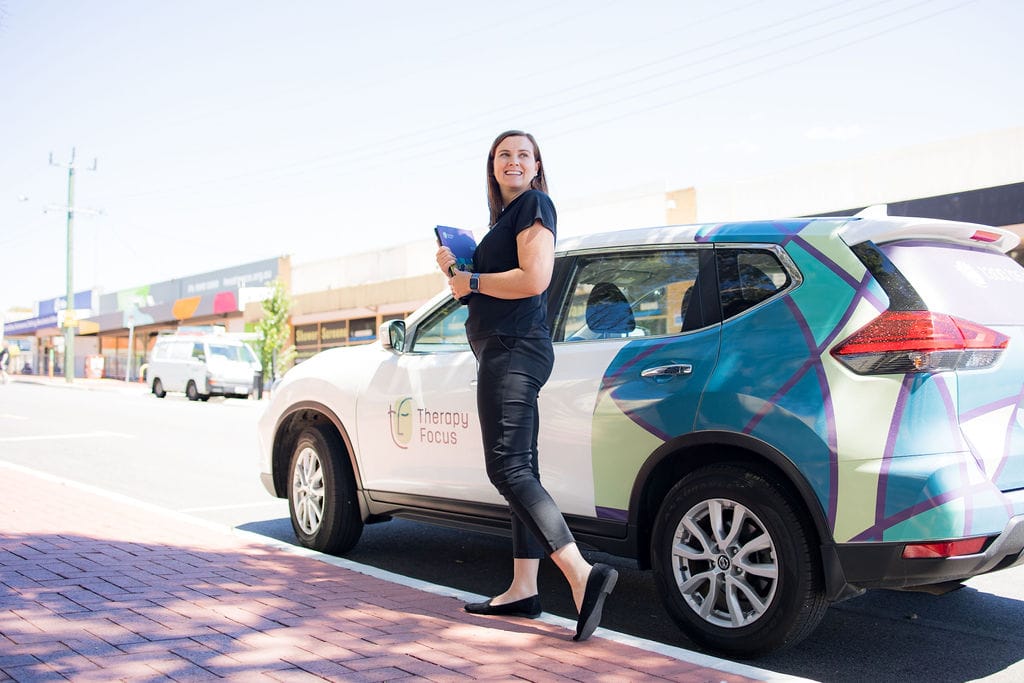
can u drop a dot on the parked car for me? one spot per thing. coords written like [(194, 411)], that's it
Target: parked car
[(772, 416), (202, 365)]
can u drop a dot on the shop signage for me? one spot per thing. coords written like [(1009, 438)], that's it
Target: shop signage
[(333, 333)]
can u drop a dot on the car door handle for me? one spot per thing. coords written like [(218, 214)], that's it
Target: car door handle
[(668, 370)]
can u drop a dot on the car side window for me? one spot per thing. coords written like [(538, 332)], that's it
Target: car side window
[(197, 351), (180, 350), (746, 277), (443, 331), (634, 294)]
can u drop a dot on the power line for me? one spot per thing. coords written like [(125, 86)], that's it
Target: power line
[(778, 67), (429, 141), (376, 148), (577, 114), (316, 93)]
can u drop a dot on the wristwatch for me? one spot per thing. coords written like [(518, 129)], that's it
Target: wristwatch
[(474, 282)]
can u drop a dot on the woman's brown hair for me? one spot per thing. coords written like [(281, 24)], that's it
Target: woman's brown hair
[(539, 182)]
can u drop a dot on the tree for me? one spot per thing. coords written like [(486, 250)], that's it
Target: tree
[(276, 354)]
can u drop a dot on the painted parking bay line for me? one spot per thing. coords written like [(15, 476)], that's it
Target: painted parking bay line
[(53, 437)]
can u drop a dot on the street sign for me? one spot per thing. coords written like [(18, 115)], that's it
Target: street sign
[(66, 319)]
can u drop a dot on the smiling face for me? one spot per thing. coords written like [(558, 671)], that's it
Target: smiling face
[(515, 166)]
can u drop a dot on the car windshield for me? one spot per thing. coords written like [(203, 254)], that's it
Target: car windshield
[(976, 284), (232, 352)]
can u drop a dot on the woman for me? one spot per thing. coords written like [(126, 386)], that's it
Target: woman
[(508, 332)]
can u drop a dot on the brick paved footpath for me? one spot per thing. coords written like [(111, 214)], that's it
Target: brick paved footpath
[(100, 588)]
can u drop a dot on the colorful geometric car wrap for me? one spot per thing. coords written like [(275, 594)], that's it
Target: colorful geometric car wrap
[(883, 453)]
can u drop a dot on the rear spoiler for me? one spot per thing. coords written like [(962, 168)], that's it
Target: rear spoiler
[(872, 225)]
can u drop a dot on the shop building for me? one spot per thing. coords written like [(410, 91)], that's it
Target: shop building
[(37, 339), (116, 331), (343, 301)]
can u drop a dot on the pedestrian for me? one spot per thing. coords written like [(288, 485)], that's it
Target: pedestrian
[(5, 360), (507, 329)]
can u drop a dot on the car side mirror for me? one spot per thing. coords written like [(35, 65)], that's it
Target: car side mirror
[(392, 335)]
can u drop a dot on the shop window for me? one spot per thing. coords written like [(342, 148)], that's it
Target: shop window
[(307, 341), (333, 334), (307, 335), (362, 330)]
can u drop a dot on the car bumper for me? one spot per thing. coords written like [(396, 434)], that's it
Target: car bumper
[(227, 387), (882, 565)]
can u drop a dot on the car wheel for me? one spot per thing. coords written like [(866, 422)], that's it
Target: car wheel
[(322, 494), (735, 562), (158, 388), (192, 391)]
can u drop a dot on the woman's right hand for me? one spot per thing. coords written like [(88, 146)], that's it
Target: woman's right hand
[(445, 260)]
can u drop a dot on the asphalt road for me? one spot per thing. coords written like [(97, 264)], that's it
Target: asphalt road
[(200, 459)]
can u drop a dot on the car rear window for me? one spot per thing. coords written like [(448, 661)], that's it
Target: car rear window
[(977, 284)]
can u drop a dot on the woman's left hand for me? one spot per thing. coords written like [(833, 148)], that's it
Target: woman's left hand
[(445, 259)]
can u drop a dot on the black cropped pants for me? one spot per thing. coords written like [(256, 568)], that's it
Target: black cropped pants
[(510, 373)]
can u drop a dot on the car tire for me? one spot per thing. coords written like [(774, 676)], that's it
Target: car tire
[(741, 589), (158, 388), (322, 493), (192, 391)]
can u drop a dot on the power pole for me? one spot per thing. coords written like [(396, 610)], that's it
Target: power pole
[(70, 321)]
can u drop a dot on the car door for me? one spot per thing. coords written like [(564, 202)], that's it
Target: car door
[(196, 368), (635, 343), (177, 367), (418, 427)]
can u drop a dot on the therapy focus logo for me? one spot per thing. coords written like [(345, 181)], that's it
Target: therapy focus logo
[(412, 424), (400, 414)]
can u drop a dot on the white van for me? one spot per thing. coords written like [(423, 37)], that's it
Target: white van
[(202, 365)]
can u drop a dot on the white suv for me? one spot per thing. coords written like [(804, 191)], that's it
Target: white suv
[(772, 416), (202, 365)]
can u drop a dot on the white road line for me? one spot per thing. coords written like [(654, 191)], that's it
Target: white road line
[(50, 437), (217, 508), (8, 416)]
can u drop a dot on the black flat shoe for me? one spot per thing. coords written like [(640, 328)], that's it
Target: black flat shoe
[(527, 607), (599, 584)]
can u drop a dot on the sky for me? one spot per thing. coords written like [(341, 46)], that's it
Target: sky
[(230, 131)]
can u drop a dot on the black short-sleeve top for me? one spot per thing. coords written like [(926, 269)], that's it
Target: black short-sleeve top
[(498, 252)]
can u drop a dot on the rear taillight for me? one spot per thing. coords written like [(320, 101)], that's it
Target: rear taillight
[(898, 342), (967, 546)]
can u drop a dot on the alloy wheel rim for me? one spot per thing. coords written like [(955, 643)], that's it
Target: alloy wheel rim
[(725, 563), (308, 491)]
